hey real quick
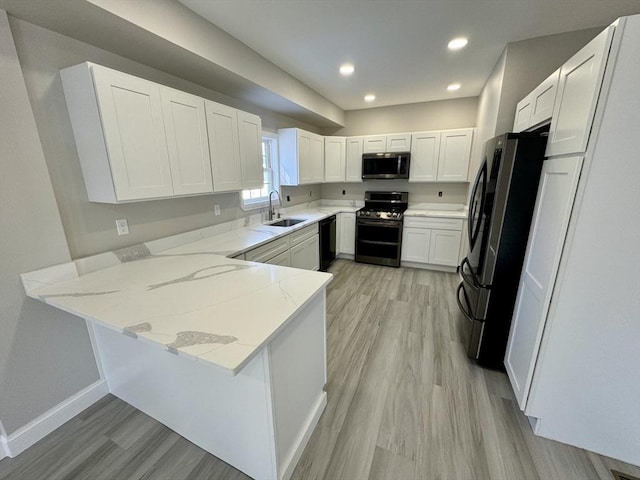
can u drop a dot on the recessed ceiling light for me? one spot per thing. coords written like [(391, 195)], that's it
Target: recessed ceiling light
[(453, 87), (369, 98), (347, 69), (457, 43)]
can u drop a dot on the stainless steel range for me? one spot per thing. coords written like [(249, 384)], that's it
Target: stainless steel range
[(379, 228)]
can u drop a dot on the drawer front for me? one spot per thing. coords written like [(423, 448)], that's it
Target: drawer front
[(434, 223), (268, 251), (304, 233)]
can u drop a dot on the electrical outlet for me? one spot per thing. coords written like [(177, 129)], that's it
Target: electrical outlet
[(216, 209), (288, 198), (310, 193), (439, 194), (122, 227), (344, 192)]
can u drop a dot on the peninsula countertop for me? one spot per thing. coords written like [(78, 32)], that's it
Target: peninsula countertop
[(187, 297)]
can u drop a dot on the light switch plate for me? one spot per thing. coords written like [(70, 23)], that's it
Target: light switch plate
[(122, 226), (216, 209)]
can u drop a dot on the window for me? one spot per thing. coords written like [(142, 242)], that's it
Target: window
[(259, 197)]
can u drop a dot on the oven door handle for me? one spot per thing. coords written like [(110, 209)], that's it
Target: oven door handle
[(463, 309), (384, 224)]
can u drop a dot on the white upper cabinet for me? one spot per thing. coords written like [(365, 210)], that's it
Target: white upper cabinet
[(374, 144), (334, 159), (397, 142), (425, 149), (138, 140), (301, 157), (354, 159), (537, 107), (523, 114), (455, 150), (235, 139), (222, 125), (250, 140), (578, 87), (119, 130), (188, 146)]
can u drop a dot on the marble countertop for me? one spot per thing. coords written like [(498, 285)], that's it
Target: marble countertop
[(445, 210), (184, 295), (196, 304)]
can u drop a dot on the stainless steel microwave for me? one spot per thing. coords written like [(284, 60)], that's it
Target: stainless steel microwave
[(385, 165)]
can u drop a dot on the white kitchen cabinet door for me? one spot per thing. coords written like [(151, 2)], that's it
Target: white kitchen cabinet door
[(455, 150), (523, 114), (347, 233), (222, 127), (334, 159), (415, 245), (316, 158), (399, 142), (374, 144), (425, 149), (134, 134), (306, 255), (354, 159), (578, 87), (301, 157), (283, 260), (186, 128), (444, 247), (556, 194), (250, 146), (543, 98)]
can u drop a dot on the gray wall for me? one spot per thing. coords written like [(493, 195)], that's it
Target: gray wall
[(90, 227), (418, 192), (412, 117), (45, 354)]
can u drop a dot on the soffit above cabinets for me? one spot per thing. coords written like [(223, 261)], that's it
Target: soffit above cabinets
[(166, 35)]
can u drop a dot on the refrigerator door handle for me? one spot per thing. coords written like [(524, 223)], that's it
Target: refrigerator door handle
[(463, 309), (470, 277)]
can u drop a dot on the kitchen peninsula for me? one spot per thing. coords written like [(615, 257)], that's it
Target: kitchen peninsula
[(229, 354)]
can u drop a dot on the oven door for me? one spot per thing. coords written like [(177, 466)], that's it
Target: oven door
[(378, 242)]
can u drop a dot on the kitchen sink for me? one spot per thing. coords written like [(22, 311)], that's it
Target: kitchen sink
[(286, 222)]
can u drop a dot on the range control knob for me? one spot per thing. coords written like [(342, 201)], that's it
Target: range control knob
[(377, 214), (394, 214)]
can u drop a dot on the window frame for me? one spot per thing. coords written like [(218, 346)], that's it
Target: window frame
[(262, 202)]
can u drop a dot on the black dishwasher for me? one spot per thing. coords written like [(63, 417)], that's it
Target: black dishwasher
[(327, 242)]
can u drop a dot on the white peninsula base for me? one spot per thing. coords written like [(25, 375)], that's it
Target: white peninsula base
[(259, 420)]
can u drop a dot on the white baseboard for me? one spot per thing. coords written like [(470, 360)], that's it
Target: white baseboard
[(4, 447), (46, 423), (303, 439)]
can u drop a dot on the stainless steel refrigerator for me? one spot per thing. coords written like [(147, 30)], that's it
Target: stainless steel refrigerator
[(500, 211)]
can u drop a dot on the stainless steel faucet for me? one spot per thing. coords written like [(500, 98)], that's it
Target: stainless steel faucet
[(271, 211)]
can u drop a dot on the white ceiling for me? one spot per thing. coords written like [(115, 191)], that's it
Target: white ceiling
[(399, 47)]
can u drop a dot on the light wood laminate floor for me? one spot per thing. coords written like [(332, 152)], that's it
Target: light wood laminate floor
[(404, 403)]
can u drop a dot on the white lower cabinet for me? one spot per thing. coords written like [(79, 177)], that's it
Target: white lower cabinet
[(431, 241), (306, 255), (284, 259), (299, 249), (346, 233)]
